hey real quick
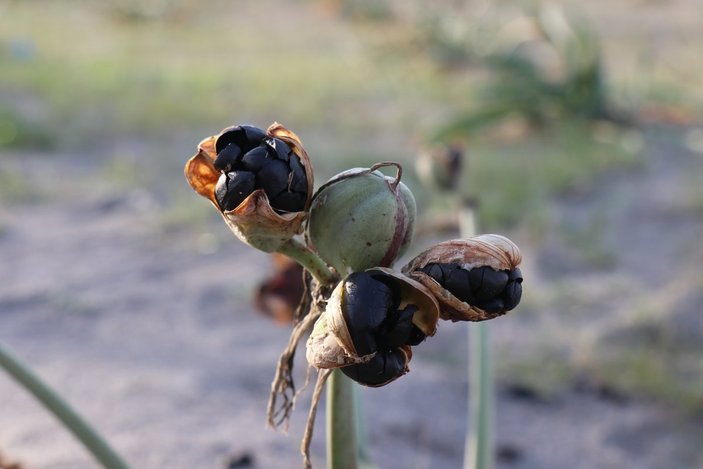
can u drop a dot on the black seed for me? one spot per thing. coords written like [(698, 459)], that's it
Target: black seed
[(227, 158), (256, 159), (494, 305), (254, 135), (476, 278), (233, 187), (435, 271), (398, 330), (393, 287), (288, 202), (416, 337), (515, 274), (280, 147), (494, 281), (383, 367), (366, 304), (299, 182), (457, 282), (245, 137), (512, 294), (273, 178)]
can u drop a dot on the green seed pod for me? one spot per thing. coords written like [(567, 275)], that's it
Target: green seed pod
[(362, 219)]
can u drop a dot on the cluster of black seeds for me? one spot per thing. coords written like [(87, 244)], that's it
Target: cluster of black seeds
[(376, 324), (249, 160), (493, 291)]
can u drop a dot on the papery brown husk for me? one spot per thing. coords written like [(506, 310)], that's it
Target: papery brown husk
[(253, 221), (491, 250)]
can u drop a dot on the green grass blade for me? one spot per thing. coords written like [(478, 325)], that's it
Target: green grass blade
[(90, 439)]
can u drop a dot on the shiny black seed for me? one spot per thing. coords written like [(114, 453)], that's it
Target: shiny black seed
[(435, 271), (254, 160), (228, 157), (280, 147), (383, 367), (476, 279), (416, 336), (512, 294), (494, 305), (288, 202), (491, 290), (233, 187), (457, 282), (393, 287), (299, 182), (515, 274), (245, 137), (273, 178), (398, 330), (494, 282), (366, 304)]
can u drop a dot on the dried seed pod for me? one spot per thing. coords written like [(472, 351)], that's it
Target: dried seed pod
[(371, 320), (279, 295), (260, 181), (362, 219), (472, 279), (440, 167)]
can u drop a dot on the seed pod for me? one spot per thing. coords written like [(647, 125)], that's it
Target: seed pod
[(371, 320), (473, 279), (440, 167), (260, 181), (362, 219), (279, 294)]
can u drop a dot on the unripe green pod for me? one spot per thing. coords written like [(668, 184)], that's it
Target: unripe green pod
[(362, 219)]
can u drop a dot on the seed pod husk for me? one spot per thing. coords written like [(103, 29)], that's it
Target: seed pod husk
[(362, 219), (495, 258), (371, 316), (216, 173)]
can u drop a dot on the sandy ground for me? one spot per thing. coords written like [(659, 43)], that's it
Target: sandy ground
[(152, 337)]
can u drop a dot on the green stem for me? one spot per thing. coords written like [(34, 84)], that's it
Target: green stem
[(478, 452), (62, 411), (479, 441), (308, 259), (362, 436), (341, 432)]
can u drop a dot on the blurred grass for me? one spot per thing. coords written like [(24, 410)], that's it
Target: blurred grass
[(97, 72)]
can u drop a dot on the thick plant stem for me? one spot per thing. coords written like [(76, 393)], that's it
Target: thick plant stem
[(308, 259), (341, 432), (478, 451), (62, 411)]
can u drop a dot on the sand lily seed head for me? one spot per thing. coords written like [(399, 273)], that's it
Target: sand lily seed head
[(371, 320), (473, 279), (362, 219), (260, 181)]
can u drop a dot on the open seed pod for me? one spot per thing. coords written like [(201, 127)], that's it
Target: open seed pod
[(371, 320), (261, 182), (473, 279)]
